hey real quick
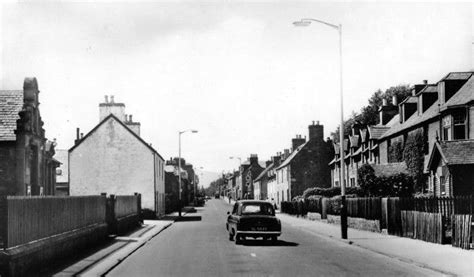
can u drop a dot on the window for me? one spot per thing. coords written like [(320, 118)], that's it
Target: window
[(442, 186), (459, 122), (258, 209), (446, 126)]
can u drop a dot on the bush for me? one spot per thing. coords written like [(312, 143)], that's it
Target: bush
[(334, 205), (400, 184), (414, 157)]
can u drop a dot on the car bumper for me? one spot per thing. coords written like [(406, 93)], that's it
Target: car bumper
[(259, 233)]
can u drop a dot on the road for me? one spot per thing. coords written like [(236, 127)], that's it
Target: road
[(202, 248)]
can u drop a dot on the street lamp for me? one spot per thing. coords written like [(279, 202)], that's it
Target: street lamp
[(179, 168), (304, 23)]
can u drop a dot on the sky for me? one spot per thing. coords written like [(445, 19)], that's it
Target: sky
[(237, 71)]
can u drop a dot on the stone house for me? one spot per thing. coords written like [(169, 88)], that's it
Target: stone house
[(27, 166), (261, 183), (112, 158), (248, 171), (307, 166), (444, 114)]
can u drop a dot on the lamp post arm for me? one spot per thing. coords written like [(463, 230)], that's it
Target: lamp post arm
[(322, 22)]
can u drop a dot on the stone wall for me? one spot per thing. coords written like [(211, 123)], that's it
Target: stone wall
[(357, 223)]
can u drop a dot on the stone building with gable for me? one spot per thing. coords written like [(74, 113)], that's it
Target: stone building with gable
[(113, 158), (27, 166), (306, 166)]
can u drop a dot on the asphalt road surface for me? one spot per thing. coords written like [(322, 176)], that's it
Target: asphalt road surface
[(202, 248)]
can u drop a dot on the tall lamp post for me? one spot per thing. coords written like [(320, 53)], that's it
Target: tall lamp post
[(179, 168), (304, 23)]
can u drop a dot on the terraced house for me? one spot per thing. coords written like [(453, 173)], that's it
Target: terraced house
[(442, 114)]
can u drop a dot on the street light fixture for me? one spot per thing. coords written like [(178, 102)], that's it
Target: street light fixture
[(179, 168), (304, 23)]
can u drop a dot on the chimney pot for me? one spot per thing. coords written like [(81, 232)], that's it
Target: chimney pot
[(82, 135), (77, 133), (384, 102), (106, 99), (317, 122), (130, 118), (425, 82), (112, 99), (313, 122), (394, 100)]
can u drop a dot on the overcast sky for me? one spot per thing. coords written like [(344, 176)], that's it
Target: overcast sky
[(239, 72)]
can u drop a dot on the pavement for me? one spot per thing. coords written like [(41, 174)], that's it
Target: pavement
[(442, 258), (104, 259), (201, 247)]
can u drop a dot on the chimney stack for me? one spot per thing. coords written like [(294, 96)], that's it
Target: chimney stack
[(78, 138), (316, 132), (297, 141), (394, 100)]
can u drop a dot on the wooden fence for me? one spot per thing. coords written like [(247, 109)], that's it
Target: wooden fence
[(364, 207), (423, 226), (29, 218), (462, 231)]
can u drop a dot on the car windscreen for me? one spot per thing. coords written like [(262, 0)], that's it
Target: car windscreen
[(257, 209)]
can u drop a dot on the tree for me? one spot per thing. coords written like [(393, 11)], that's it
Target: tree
[(369, 115), (414, 157)]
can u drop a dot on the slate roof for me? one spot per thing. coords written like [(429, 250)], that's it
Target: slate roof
[(112, 116), (377, 131), (410, 99), (293, 154), (428, 89), (389, 169), (463, 96), (11, 102), (260, 176), (458, 76), (457, 152), (354, 141)]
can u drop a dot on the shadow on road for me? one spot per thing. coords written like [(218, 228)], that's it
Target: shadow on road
[(182, 219), (259, 242)]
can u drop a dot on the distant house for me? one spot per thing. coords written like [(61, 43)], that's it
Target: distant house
[(261, 190), (307, 166), (27, 166), (443, 113), (249, 170), (112, 158), (188, 178), (62, 172)]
